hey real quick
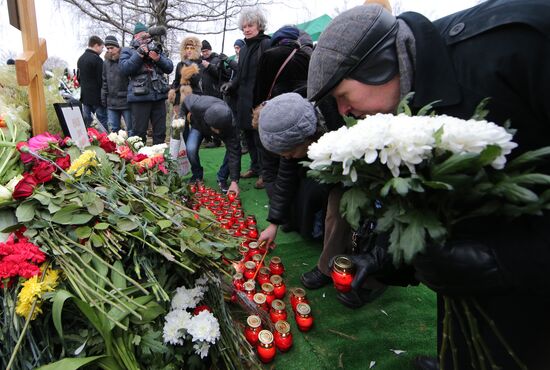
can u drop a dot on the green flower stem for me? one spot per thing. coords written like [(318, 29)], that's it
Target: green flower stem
[(27, 322), (448, 311), (466, 335), (499, 335), (475, 335), (445, 338), (153, 236), (83, 247)]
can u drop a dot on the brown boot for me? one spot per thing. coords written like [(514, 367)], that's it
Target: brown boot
[(259, 184)]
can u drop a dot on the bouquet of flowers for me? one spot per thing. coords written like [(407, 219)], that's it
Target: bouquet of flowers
[(419, 176), (178, 150), (101, 242)]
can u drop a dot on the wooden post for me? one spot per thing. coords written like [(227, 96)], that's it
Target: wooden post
[(28, 65)]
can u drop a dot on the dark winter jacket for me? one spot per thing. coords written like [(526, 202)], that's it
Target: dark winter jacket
[(148, 81), (500, 50), (115, 85), (213, 76), (245, 80), (230, 136), (90, 69)]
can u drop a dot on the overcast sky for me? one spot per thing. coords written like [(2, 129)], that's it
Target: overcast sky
[(67, 41)]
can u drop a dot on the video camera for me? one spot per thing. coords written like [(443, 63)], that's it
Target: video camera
[(154, 41)]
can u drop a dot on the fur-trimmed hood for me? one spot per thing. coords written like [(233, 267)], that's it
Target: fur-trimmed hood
[(196, 42)]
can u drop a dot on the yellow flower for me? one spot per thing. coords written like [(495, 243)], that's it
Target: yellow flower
[(80, 166), (33, 289)]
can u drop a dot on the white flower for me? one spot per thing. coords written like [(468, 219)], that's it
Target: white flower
[(187, 298), (175, 326), (135, 142), (201, 349), (154, 150), (203, 280), (123, 134), (178, 123), (116, 138), (14, 181), (204, 327), (5, 193)]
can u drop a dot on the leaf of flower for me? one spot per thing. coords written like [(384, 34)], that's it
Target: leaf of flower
[(163, 224), (25, 211), (455, 164), (71, 215), (83, 232), (531, 179), (126, 225), (515, 193), (352, 203), (529, 158), (101, 226)]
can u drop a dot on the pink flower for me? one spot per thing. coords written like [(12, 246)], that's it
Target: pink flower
[(42, 141)]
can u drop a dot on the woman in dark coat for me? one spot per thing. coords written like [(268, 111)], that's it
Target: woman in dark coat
[(253, 24)]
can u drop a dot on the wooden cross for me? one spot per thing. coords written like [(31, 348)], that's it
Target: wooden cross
[(28, 65)]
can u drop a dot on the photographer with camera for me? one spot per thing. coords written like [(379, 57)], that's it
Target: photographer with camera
[(146, 66)]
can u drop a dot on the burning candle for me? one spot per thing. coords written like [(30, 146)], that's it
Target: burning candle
[(303, 316), (282, 336), (252, 232), (266, 349), (276, 266), (343, 272), (298, 296), (263, 275), (267, 290), (261, 301), (279, 287), (253, 328), (278, 311), (231, 195), (249, 269)]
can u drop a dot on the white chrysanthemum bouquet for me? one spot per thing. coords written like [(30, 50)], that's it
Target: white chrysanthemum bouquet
[(417, 176)]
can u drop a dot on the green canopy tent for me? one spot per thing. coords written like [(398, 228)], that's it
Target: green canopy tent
[(315, 26)]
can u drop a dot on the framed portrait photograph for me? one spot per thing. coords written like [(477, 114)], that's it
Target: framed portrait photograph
[(72, 123)]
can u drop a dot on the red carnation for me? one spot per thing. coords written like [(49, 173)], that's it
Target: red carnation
[(43, 172), (25, 187), (106, 144), (199, 309), (64, 162)]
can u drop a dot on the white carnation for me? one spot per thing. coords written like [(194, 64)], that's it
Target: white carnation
[(123, 134), (187, 298), (178, 123), (154, 150), (201, 349), (116, 138), (204, 327), (135, 142), (175, 326)]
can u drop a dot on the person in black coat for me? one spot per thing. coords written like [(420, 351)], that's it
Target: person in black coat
[(89, 75), (253, 24), (114, 91), (212, 116), (499, 50)]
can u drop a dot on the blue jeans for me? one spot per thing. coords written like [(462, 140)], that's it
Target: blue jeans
[(223, 172), (99, 111), (114, 120), (193, 144)]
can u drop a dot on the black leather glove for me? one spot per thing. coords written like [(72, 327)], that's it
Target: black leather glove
[(460, 267), (223, 57), (226, 88)]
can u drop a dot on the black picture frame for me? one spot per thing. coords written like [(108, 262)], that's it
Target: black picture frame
[(61, 117)]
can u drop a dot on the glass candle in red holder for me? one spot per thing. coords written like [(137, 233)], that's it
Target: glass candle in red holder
[(253, 249), (252, 232), (250, 220), (200, 187), (277, 311), (225, 224), (250, 289), (276, 266), (303, 317), (266, 348), (279, 287), (238, 281), (267, 289), (243, 251), (244, 233), (282, 336), (343, 272), (298, 296), (231, 195), (257, 259), (263, 275), (236, 230), (238, 213), (261, 301), (193, 188), (252, 329), (249, 270)]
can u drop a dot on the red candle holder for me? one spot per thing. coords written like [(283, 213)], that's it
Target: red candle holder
[(245, 233), (303, 317), (249, 270), (231, 195), (279, 287), (261, 301), (250, 220), (257, 259), (249, 289), (252, 329), (298, 296), (238, 281), (267, 290), (243, 251), (276, 266), (278, 311), (200, 187), (263, 274), (225, 224), (193, 188), (282, 336), (252, 232), (343, 272), (236, 230), (266, 349), (253, 249)]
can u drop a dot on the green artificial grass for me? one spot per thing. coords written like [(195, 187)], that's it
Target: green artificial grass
[(342, 338)]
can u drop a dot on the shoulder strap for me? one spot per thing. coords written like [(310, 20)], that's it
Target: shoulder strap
[(279, 72)]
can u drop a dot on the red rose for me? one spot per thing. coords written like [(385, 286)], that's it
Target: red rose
[(25, 187), (139, 157), (199, 309), (64, 162), (107, 144), (93, 134), (43, 172), (23, 148)]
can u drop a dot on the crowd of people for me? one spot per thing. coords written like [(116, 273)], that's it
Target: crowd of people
[(280, 93)]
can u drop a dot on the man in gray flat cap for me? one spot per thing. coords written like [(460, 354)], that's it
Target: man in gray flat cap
[(500, 49)]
